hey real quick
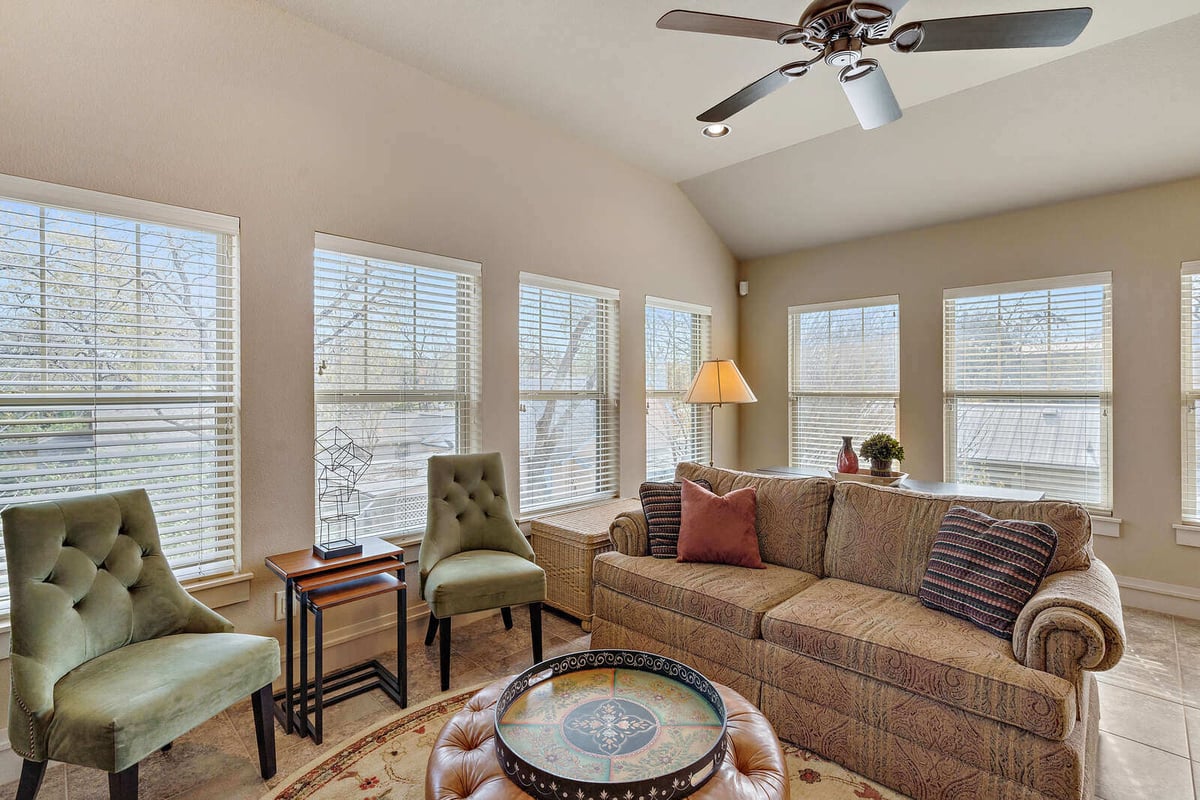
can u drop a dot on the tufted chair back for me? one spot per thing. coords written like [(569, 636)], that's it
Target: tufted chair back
[(468, 510), (87, 576)]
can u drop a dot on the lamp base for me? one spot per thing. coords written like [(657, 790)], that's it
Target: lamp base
[(342, 547)]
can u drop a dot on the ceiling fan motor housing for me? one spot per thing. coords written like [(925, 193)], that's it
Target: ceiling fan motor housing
[(829, 20)]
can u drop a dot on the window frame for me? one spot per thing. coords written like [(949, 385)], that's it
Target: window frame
[(224, 402), (606, 393), (466, 397), (1104, 397), (795, 397), (699, 431), (1189, 392)]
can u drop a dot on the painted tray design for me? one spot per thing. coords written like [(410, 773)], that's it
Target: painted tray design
[(604, 723)]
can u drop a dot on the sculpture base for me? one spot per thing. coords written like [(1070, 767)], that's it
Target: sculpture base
[(342, 547)]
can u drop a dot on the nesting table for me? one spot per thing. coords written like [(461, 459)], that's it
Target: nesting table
[(323, 584)]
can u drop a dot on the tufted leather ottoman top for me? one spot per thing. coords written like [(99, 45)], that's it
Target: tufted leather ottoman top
[(463, 762)]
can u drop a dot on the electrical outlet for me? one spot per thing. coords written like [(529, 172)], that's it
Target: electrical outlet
[(281, 605)]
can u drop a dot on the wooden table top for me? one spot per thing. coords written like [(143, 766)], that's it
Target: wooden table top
[(299, 563)]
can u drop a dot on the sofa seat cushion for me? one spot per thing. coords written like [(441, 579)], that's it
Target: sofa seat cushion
[(892, 638), (118, 708), (726, 596)]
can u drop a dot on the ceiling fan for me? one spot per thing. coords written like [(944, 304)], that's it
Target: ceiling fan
[(837, 31)]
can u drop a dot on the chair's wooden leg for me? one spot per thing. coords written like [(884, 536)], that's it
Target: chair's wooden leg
[(506, 613), (432, 630), (32, 773), (444, 624), (535, 630), (123, 785), (264, 730)]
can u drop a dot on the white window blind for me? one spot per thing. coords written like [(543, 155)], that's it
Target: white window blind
[(1190, 314), (118, 362), (1028, 386), (568, 392), (397, 351), (678, 340), (844, 379)]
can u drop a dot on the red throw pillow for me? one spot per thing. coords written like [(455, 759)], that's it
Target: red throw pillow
[(719, 530)]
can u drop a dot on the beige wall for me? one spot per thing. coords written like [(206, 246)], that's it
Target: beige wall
[(238, 108), (1141, 236)]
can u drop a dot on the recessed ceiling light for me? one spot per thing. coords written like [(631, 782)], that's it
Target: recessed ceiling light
[(715, 131)]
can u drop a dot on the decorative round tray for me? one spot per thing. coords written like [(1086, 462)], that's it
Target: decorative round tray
[(610, 724)]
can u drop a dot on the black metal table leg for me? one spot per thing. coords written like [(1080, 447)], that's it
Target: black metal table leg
[(289, 660), (304, 729), (319, 676), (402, 640)]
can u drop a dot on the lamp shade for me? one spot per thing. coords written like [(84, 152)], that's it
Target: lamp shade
[(719, 382)]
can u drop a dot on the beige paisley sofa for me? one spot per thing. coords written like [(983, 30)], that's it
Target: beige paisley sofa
[(831, 642)]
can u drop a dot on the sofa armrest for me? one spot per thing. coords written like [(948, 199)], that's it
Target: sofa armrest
[(1073, 623), (630, 534)]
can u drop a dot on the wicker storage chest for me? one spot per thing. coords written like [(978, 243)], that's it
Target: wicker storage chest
[(565, 545)]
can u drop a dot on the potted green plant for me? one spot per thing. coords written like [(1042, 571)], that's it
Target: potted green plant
[(882, 450)]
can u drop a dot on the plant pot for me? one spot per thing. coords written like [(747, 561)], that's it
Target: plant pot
[(881, 468)]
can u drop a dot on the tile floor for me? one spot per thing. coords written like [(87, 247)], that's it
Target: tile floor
[(1150, 727)]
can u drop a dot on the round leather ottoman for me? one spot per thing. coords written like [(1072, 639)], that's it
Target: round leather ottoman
[(463, 762)]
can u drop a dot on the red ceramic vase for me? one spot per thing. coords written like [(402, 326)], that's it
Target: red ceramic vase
[(847, 461)]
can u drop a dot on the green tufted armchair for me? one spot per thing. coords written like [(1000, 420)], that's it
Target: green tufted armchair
[(111, 658), (473, 556)]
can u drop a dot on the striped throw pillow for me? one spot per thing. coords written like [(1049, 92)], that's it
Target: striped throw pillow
[(984, 570), (663, 508)]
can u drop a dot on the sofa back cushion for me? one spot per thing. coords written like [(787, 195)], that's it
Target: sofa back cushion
[(791, 517), (882, 537)]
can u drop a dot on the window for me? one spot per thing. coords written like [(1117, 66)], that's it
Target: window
[(396, 345), (118, 363), (677, 342), (568, 392), (1191, 391), (844, 375), (1028, 387)]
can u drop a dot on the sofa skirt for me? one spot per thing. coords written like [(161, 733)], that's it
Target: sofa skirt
[(918, 771)]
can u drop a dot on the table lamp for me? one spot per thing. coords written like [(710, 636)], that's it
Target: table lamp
[(718, 382)]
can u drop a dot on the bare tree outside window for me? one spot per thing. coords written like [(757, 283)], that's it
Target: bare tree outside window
[(844, 376), (1028, 388), (677, 342), (118, 370), (396, 354), (568, 396)]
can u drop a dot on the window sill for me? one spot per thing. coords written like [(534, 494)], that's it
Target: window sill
[(221, 591), (1187, 535), (1104, 525), (546, 512)]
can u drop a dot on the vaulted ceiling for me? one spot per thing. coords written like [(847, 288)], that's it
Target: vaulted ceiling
[(983, 131)]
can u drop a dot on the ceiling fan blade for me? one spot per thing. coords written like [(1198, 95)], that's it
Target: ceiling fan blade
[(700, 22), (999, 31), (870, 94), (747, 96)]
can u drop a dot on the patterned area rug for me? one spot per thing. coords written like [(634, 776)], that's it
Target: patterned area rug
[(388, 763)]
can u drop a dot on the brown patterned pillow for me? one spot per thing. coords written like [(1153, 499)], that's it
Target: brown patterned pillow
[(984, 570), (663, 508)]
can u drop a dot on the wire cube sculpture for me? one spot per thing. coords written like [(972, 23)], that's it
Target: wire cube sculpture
[(343, 462)]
